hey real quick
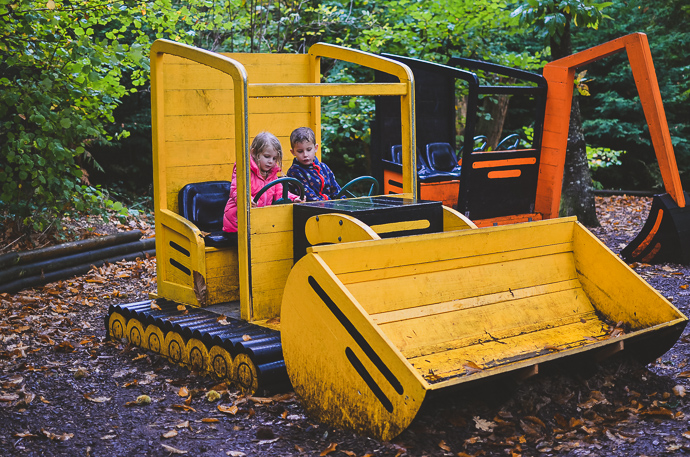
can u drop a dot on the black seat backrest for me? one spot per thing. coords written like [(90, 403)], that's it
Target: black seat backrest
[(396, 154), (441, 156), (203, 204)]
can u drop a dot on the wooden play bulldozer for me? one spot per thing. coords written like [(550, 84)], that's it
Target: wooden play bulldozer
[(369, 304)]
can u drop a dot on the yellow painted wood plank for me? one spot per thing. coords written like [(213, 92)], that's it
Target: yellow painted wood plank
[(262, 68), (423, 289), (317, 322), (181, 73), (451, 264), (615, 289), (404, 314), (187, 75), (269, 247), (200, 152), (222, 263), (220, 101), (436, 247), (325, 90), (202, 127), (269, 219), (495, 356), (220, 291), (512, 316)]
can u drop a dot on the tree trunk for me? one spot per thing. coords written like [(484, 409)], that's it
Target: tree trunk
[(577, 198)]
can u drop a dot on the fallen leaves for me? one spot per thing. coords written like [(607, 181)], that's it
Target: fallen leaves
[(57, 437), (173, 450), (329, 449), (228, 409)]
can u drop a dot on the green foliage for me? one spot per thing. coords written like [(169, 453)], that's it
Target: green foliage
[(61, 66), (550, 19)]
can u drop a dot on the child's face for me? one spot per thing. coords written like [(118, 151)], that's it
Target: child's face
[(266, 159), (304, 152)]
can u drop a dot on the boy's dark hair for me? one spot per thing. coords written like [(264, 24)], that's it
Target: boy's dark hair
[(301, 135)]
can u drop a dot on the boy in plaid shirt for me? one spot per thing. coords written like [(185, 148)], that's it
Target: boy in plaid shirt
[(319, 182)]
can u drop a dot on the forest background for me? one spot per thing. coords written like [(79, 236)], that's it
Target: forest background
[(75, 130)]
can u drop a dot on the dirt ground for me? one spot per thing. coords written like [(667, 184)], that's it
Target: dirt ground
[(65, 390)]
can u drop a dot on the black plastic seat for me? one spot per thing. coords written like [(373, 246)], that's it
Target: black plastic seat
[(441, 157), (203, 204)]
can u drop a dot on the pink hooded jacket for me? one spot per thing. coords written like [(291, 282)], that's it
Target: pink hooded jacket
[(257, 182)]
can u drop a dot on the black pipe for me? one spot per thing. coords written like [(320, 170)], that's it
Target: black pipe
[(34, 281), (72, 247), (60, 263)]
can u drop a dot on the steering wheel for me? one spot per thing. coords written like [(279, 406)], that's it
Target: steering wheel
[(284, 198), (483, 142), (373, 190), (501, 146)]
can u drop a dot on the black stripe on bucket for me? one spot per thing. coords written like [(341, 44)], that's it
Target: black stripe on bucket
[(359, 368), (354, 333)]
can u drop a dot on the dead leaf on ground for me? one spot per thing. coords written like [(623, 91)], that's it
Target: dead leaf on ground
[(184, 408), (183, 392), (209, 420), (96, 399), (235, 453), (172, 450), (170, 434), (56, 437), (484, 425), (228, 409), (329, 449), (444, 446)]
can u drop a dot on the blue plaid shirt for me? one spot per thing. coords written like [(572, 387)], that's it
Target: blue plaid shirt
[(319, 181)]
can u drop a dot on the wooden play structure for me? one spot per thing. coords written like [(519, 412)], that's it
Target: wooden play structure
[(511, 184), (369, 305)]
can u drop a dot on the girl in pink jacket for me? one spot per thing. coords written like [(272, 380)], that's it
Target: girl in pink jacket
[(266, 157)]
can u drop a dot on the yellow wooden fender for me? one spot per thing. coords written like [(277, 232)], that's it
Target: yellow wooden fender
[(221, 363), (369, 328), (154, 338), (135, 333), (117, 326)]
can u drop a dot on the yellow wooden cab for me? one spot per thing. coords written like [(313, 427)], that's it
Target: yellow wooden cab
[(371, 321)]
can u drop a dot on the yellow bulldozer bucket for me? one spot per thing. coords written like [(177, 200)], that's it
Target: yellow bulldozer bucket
[(370, 328)]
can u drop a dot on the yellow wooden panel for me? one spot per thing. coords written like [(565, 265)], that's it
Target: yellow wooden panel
[(451, 264), (183, 74), (443, 246), (616, 290), (222, 263), (324, 90), (221, 291), (202, 127), (267, 303), (496, 320), (264, 68), (201, 152), (173, 273), (498, 356), (328, 326), (268, 247), (270, 219), (221, 101), (423, 289)]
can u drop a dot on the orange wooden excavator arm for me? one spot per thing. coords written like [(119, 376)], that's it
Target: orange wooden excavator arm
[(560, 75)]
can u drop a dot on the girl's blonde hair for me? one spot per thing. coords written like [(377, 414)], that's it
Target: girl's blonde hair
[(262, 141)]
